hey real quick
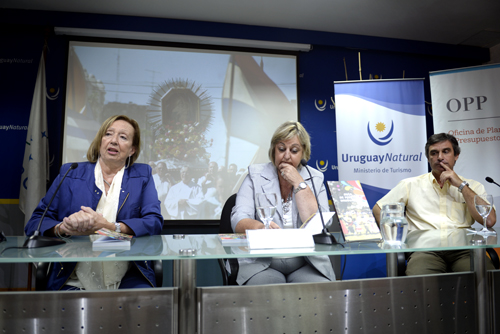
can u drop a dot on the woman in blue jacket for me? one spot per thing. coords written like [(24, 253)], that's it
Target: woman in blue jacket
[(109, 191)]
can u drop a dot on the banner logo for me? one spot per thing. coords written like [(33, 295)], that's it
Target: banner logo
[(324, 166), (381, 127), (320, 105), (454, 105), (54, 96), (374, 121)]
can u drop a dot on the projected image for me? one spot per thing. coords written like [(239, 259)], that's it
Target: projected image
[(205, 115)]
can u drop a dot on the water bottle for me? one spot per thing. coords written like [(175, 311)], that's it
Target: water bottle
[(393, 224)]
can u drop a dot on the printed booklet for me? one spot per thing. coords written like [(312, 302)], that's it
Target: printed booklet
[(355, 217), (110, 240), (233, 239)]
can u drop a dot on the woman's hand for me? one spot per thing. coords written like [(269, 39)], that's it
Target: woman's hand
[(84, 222), (290, 174), (272, 226), (252, 224), (304, 199)]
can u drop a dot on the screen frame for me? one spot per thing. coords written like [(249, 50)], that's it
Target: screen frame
[(170, 223)]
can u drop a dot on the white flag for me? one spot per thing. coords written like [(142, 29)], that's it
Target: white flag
[(36, 163)]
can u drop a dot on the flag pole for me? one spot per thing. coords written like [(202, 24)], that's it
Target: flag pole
[(230, 111)]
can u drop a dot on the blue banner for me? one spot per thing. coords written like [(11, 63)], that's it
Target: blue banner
[(19, 60)]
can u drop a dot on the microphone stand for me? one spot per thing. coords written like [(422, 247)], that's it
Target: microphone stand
[(37, 240), (325, 237)]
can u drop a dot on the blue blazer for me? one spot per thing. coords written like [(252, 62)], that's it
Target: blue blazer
[(138, 208), (263, 178)]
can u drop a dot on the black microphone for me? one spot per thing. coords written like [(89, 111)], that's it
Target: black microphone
[(37, 240), (490, 180), (324, 237)]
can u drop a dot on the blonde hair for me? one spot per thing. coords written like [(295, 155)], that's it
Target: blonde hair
[(287, 131), (95, 147)]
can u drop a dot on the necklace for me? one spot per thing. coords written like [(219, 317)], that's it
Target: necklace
[(109, 185), (286, 203)]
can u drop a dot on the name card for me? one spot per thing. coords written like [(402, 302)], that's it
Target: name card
[(279, 238), (314, 224), (287, 251)]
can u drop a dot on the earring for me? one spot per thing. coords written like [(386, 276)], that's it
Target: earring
[(128, 162)]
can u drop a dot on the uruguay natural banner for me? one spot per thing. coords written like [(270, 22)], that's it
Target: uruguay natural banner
[(381, 133), (466, 104)]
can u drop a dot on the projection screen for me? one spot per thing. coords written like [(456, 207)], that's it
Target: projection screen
[(208, 112)]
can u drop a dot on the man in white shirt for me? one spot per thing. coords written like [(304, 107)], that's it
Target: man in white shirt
[(210, 178), (440, 199), (215, 198), (184, 198), (163, 181)]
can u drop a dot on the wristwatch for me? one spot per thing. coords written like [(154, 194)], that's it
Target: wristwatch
[(460, 187), (301, 186), (118, 227)]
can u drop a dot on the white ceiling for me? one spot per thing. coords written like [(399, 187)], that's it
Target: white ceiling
[(467, 22)]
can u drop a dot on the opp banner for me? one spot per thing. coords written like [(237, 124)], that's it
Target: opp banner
[(381, 133), (466, 104)]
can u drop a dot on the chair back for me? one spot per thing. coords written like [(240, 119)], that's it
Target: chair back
[(228, 278), (225, 217)]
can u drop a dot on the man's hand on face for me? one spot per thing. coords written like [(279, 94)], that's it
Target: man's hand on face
[(449, 175)]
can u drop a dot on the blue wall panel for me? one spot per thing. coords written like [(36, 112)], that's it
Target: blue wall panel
[(22, 37)]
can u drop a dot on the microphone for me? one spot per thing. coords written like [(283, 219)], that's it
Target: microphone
[(490, 180), (37, 240), (324, 237)]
